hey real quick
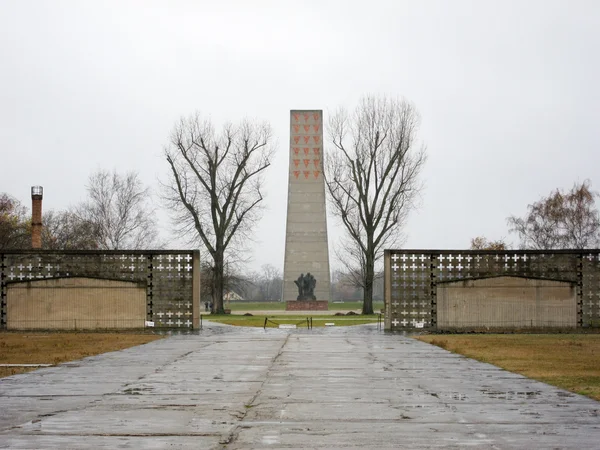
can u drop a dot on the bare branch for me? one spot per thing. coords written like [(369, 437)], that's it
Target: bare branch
[(560, 221), (119, 207), (214, 188), (15, 225), (372, 176)]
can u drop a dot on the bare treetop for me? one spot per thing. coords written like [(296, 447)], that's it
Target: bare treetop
[(215, 187), (119, 206), (14, 232), (483, 243), (372, 177), (562, 220), (219, 176)]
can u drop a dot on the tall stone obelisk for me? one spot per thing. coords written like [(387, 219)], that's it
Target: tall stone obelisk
[(306, 249)]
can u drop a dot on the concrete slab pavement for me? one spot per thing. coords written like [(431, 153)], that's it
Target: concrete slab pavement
[(240, 388)]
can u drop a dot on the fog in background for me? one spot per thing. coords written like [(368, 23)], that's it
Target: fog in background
[(508, 93)]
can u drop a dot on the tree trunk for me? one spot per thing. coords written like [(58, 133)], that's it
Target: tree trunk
[(368, 289), (218, 282)]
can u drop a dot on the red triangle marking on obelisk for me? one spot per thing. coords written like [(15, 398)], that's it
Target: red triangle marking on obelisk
[(296, 173), (306, 173), (306, 150), (306, 116), (316, 150), (306, 161), (317, 139), (316, 128), (296, 117), (306, 128), (296, 139), (306, 139), (296, 162), (316, 163), (316, 116), (316, 172), (296, 128), (296, 150)]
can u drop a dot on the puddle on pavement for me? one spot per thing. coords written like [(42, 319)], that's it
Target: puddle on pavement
[(511, 395), (449, 395), (565, 394)]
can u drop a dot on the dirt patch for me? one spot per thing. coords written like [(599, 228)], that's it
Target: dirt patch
[(55, 348)]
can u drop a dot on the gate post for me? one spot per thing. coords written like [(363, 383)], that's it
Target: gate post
[(387, 290), (433, 291), (196, 289), (3, 293), (580, 321)]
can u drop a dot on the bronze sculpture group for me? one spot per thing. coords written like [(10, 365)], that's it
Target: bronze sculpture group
[(306, 287)]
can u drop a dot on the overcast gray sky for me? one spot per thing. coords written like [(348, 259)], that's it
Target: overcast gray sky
[(508, 91)]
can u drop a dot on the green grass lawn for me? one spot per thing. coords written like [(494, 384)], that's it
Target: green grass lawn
[(347, 306), (280, 306), (300, 320)]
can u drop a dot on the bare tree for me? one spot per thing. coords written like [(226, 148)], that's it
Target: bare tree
[(232, 280), (354, 262), (343, 287), (482, 243), (120, 207), (271, 282), (372, 176), (265, 285), (65, 230), (215, 187), (15, 225), (561, 220)]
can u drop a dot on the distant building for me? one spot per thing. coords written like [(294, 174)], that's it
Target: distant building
[(230, 295)]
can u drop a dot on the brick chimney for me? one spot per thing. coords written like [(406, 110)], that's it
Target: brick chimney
[(37, 192)]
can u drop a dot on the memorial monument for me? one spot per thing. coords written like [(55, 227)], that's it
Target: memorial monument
[(306, 278)]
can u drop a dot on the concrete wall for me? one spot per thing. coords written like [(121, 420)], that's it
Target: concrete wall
[(306, 248), (506, 302), (75, 303)]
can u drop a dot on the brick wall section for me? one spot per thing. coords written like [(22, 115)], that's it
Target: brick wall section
[(36, 221), (75, 303), (516, 301), (310, 305)]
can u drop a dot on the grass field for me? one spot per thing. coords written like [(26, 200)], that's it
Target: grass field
[(280, 306), (55, 348), (299, 320), (569, 361)]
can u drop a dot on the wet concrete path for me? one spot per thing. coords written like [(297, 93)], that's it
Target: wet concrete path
[(240, 388)]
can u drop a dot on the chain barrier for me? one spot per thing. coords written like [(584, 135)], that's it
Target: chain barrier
[(307, 322)]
